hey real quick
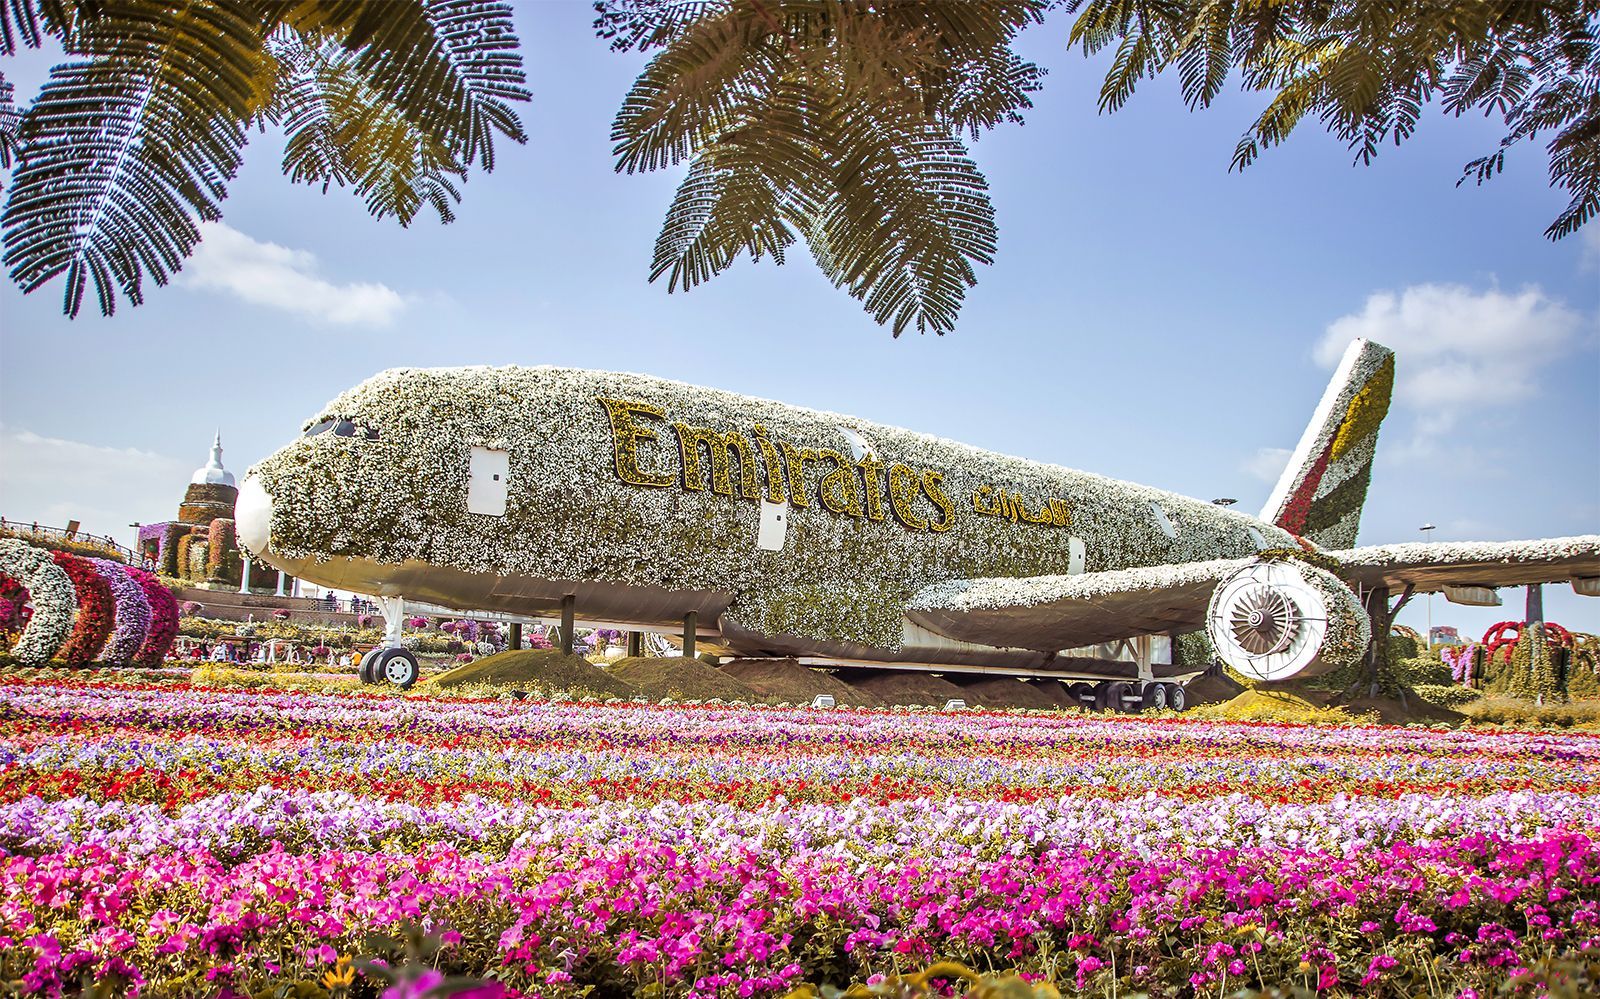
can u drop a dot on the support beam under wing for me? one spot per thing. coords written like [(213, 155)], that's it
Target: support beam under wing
[(1049, 613)]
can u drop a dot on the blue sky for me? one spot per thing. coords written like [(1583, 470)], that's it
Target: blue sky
[(1149, 316)]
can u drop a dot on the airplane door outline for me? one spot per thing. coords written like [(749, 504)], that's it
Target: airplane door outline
[(488, 472), (774, 526)]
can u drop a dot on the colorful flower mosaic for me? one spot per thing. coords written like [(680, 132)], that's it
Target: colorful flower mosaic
[(175, 840)]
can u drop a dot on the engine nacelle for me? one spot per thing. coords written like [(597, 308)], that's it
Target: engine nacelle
[(1279, 619)]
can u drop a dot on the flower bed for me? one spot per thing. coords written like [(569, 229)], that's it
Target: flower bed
[(168, 835)]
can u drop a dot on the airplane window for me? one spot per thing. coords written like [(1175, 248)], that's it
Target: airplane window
[(318, 428), (370, 433), (344, 428)]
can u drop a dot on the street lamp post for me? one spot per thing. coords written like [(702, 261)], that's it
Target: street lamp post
[(1425, 528)]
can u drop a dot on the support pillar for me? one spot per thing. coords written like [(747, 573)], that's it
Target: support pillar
[(690, 626), (514, 641), (244, 576), (1535, 612), (568, 603), (635, 644), (1379, 615), (280, 583)]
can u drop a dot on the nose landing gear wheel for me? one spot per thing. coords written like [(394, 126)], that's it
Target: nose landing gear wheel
[(371, 663), (400, 668)]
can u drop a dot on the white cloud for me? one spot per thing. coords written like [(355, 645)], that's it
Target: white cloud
[(1459, 349), (282, 278), (1267, 463), (52, 481)]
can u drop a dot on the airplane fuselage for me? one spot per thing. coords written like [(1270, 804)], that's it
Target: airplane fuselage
[(786, 530)]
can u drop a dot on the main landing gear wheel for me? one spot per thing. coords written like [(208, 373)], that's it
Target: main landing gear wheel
[(1177, 697), (1154, 696), (1114, 695), (400, 668), (1083, 694)]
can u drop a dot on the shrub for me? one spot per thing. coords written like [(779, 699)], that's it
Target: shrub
[(1447, 695)]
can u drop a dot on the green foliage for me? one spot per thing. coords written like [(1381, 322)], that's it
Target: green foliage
[(838, 124), (1367, 70), (1193, 648), (134, 138), (1447, 695), (1503, 710)]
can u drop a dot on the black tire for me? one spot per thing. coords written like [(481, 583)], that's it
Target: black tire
[(1083, 695), (1154, 696), (1113, 695), (1177, 697), (400, 668), (371, 663)]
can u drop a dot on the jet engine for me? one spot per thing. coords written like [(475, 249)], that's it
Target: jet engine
[(1277, 619)]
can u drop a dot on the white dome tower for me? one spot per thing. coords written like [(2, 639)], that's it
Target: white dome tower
[(213, 474)]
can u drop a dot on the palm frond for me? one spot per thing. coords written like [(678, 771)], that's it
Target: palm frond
[(828, 120), (641, 25), (340, 132), (10, 122), (451, 66), (124, 150), (1367, 70)]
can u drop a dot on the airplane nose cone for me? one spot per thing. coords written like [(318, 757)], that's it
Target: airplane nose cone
[(252, 515)]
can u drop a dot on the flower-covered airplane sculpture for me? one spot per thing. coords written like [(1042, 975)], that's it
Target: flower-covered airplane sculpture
[(771, 530)]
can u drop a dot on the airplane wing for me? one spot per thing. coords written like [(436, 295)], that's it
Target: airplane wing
[(1431, 567), (1058, 612), (1048, 613)]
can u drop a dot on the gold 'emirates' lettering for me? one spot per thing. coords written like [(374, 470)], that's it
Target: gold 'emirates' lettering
[(625, 438), (844, 488)]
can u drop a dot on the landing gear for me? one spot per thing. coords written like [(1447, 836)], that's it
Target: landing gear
[(400, 668), (1114, 695), (396, 666), (371, 663), (1084, 694), (1177, 697), (1154, 696)]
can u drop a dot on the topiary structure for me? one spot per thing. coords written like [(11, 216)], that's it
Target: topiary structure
[(97, 610)]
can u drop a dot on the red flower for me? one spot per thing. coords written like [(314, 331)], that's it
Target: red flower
[(97, 610)]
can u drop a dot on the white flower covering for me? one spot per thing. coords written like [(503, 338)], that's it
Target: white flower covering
[(997, 594), (1546, 550), (52, 594), (838, 578), (1349, 629)]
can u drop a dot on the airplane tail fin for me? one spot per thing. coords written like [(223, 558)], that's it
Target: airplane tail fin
[(1320, 495)]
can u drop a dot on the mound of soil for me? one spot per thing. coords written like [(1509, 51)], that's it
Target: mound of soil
[(1006, 692), (1212, 689), (787, 680), (1056, 691), (1395, 711), (544, 670), (680, 679), (905, 688)]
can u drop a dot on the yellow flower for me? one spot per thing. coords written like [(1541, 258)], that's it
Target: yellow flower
[(342, 975)]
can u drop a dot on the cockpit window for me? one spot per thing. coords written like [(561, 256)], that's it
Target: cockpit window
[(341, 428)]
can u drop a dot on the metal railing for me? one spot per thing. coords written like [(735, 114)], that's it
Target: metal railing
[(77, 537)]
